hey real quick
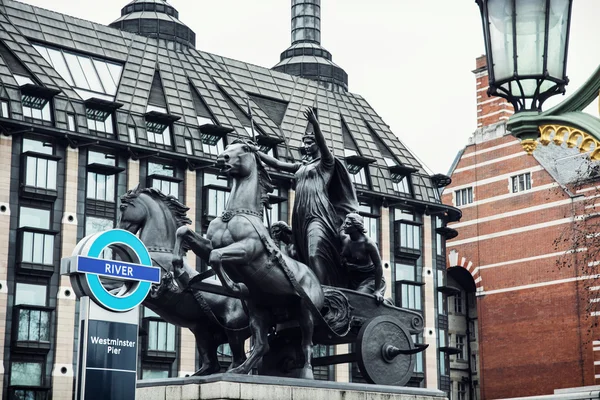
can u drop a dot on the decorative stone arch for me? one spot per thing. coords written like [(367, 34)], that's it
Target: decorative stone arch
[(455, 261)]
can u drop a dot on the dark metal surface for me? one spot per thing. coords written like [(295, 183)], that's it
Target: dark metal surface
[(380, 346)]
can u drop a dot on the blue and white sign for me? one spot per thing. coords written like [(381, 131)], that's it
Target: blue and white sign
[(109, 289), (86, 269), (117, 269)]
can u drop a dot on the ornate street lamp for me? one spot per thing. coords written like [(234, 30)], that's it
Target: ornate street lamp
[(526, 44)]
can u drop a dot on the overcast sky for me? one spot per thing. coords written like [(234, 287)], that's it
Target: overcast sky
[(411, 60)]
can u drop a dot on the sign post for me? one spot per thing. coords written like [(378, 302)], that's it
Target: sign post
[(110, 292)]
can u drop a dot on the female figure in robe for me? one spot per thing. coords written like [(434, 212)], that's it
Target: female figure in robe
[(324, 195)]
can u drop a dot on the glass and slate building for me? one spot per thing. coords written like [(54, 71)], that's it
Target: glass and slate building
[(88, 111)]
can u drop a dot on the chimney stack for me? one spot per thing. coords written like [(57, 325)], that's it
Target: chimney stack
[(490, 110), (306, 57), (306, 21)]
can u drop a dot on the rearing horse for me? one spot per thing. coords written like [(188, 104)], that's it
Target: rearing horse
[(250, 265), (213, 319)]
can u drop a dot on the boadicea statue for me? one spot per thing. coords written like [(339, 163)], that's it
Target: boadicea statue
[(294, 286), (324, 196)]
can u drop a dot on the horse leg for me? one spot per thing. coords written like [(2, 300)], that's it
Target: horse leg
[(235, 253), (207, 350), (198, 244), (307, 324), (260, 319), (236, 344)]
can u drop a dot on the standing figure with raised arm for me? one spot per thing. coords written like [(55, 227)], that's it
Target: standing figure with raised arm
[(324, 195)]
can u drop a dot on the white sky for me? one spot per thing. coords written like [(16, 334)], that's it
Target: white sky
[(411, 60)]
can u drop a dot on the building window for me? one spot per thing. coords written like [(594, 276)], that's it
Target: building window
[(459, 303), (442, 355), (100, 186), (132, 135), (99, 120), (461, 391), (474, 363), (162, 177), (358, 175), (148, 373), (521, 182), (402, 185), (4, 108), (71, 123), (409, 296), (35, 295), (34, 319), (36, 107), (410, 236), (37, 246), (441, 304), (216, 198), (26, 374), (40, 165), (463, 196), (439, 243), (371, 220), (214, 147), (161, 334), (95, 225), (472, 330), (158, 133), (322, 373), (189, 147), (91, 77), (408, 286), (460, 344), (419, 356)]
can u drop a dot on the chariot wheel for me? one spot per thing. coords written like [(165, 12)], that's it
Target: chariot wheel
[(385, 351)]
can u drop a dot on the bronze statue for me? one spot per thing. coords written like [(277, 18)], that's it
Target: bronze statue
[(251, 266), (361, 258), (213, 319), (287, 304), (324, 195)]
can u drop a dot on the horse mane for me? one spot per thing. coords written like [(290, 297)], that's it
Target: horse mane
[(264, 179), (178, 210)]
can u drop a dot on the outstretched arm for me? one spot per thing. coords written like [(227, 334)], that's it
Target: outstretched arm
[(326, 154), (275, 163)]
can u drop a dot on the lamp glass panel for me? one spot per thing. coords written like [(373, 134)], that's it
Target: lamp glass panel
[(557, 37), (500, 14), (531, 34)]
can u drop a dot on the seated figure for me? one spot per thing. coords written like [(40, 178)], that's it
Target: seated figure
[(282, 235), (361, 258)]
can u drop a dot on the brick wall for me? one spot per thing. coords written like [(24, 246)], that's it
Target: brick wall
[(490, 110)]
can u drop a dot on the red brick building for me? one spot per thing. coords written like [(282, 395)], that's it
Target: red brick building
[(532, 273)]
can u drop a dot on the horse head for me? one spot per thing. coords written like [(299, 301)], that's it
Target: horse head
[(153, 213), (133, 211), (240, 160)]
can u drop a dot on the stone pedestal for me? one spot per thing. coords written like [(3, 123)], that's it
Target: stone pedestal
[(243, 387)]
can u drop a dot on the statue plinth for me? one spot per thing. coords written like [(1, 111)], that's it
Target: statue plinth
[(246, 387)]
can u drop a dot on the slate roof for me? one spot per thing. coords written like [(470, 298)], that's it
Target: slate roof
[(277, 100)]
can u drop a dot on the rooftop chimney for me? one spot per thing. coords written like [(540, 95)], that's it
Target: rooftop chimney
[(490, 110), (306, 57), (156, 19)]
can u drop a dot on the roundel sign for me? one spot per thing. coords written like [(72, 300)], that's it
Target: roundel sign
[(118, 284)]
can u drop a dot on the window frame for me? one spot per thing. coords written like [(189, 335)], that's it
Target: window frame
[(46, 265), (464, 196), (518, 185)]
